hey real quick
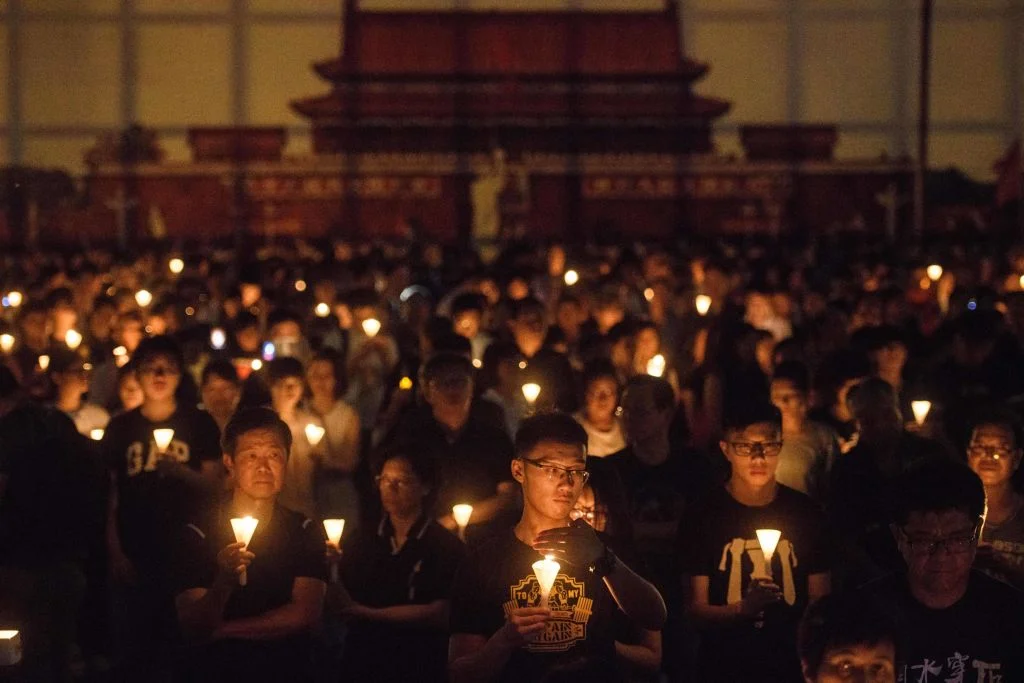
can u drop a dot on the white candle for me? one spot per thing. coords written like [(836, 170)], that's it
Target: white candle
[(143, 298), (6, 342), (571, 277), (163, 438), (371, 326), (256, 364), (531, 390), (244, 528), (322, 310), (649, 294), (73, 338), (44, 362), (921, 410), (462, 513), (334, 529), (656, 366), (14, 298), (314, 433), (934, 272), (546, 571), (703, 304), (176, 265), (96, 434), (300, 285), (10, 647), (769, 540), (218, 338)]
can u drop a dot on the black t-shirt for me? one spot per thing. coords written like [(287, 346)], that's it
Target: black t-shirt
[(377, 575), (977, 639), (152, 505), (717, 539), (287, 547), (498, 576)]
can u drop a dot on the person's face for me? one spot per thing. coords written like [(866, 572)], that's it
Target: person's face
[(891, 358), (467, 324), (35, 328), (130, 392), (570, 318), (993, 454), (159, 378), (101, 322), (259, 463), (220, 396), (764, 353), (450, 399), (131, 334), (602, 398), (788, 399), (518, 289), (248, 339), (588, 510), (286, 329), (647, 344), (320, 377), (74, 380), (641, 417), (608, 317), (753, 453), (528, 330), (401, 491), (549, 490), (863, 663), (64, 317), (622, 353), (286, 392), (250, 293), (944, 568)]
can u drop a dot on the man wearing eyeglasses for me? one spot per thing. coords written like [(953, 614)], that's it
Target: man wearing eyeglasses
[(747, 602), (500, 631), (954, 624)]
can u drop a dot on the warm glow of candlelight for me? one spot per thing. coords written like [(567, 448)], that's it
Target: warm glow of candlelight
[(143, 298), (405, 384), (73, 338), (921, 410), (44, 362), (1021, 281), (703, 304), (8, 634), (371, 326), (531, 390), (314, 433), (322, 310), (15, 298), (244, 528), (218, 338), (934, 272), (546, 571), (256, 364), (163, 438), (571, 277), (6, 342), (176, 265), (477, 363), (462, 513), (334, 529), (300, 285), (120, 351), (656, 366), (649, 294), (96, 434), (769, 541)]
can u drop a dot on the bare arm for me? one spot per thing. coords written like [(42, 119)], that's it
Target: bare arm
[(644, 656), (433, 614), (473, 658), (299, 615)]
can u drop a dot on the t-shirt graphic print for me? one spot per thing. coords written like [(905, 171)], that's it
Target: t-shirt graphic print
[(570, 607)]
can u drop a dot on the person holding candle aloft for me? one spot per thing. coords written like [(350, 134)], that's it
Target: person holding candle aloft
[(259, 631), (746, 609), (499, 631)]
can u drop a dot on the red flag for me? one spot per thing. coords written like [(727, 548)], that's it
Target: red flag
[(1008, 186)]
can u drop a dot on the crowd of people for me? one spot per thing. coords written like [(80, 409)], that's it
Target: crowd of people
[(743, 460)]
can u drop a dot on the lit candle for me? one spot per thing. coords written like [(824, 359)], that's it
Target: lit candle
[(96, 434), (143, 298), (314, 433), (44, 362), (934, 272), (176, 265), (703, 304), (649, 294), (10, 647), (1021, 281), (73, 338), (656, 366), (218, 338), (571, 277), (334, 528), (371, 326), (163, 438), (405, 384), (462, 513), (322, 310), (256, 364), (6, 342), (546, 571), (14, 298), (477, 363), (769, 540), (244, 528), (531, 390), (300, 285), (921, 410)]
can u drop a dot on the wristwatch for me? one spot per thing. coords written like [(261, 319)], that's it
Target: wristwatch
[(604, 565)]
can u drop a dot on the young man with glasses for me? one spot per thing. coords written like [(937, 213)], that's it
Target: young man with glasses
[(499, 629), (747, 608), (954, 624)]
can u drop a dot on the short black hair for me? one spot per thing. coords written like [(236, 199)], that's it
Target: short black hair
[(283, 315), (1001, 417), (283, 368), (661, 391), (221, 368), (244, 320), (468, 302), (447, 365), (558, 427), (160, 346), (794, 372), (599, 368), (841, 620), (872, 392), (249, 419), (423, 464), (938, 485), (751, 413)]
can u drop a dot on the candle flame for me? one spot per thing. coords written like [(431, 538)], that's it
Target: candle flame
[(163, 438), (371, 326), (462, 513), (531, 390), (571, 277), (334, 529), (769, 540), (703, 304), (921, 410), (314, 433)]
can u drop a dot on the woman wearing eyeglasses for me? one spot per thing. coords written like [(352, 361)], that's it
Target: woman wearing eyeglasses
[(395, 580)]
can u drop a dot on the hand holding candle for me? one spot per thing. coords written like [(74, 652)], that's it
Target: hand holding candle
[(243, 528), (334, 529)]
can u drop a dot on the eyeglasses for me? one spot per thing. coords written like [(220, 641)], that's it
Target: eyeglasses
[(747, 449), (395, 482), (555, 473), (954, 545), (587, 514), (994, 452)]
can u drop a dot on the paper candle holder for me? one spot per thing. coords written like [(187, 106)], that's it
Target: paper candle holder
[(546, 571), (243, 528)]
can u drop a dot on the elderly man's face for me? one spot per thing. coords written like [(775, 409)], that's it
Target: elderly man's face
[(939, 549), (258, 464)]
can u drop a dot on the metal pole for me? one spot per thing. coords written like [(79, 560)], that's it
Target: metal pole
[(920, 210)]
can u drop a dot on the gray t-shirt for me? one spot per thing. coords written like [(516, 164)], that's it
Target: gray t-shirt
[(806, 460)]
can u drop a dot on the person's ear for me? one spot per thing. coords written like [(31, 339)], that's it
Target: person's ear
[(723, 446), (897, 534), (805, 669), (517, 470), (229, 464)]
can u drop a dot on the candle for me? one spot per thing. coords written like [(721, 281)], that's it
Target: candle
[(44, 362), (656, 366), (371, 326), (546, 571), (1021, 281), (96, 434), (300, 285), (120, 351), (10, 647), (934, 272), (256, 364), (143, 298), (405, 384), (244, 528), (314, 433), (176, 265), (73, 338), (769, 540), (921, 410), (477, 363), (218, 338), (703, 304), (462, 513), (571, 277), (14, 298), (531, 390), (322, 310), (649, 294), (163, 438), (334, 528), (6, 342)]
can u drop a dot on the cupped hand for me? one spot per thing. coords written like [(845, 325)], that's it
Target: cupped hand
[(525, 624), (576, 544), (233, 559), (760, 594)]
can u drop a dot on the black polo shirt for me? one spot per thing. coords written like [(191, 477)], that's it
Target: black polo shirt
[(377, 573), (287, 547)]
